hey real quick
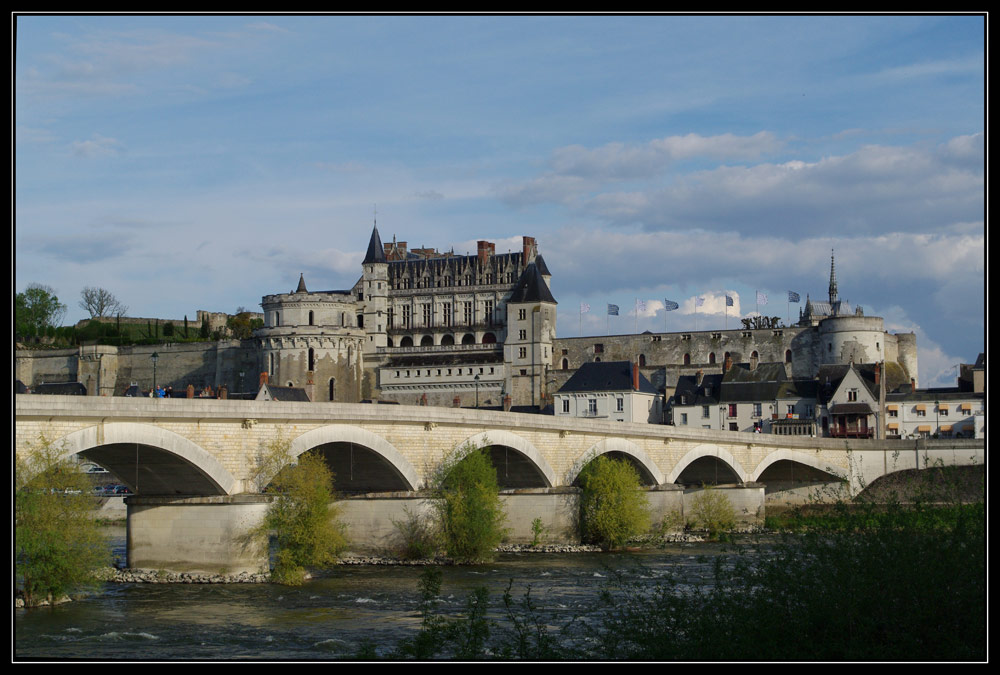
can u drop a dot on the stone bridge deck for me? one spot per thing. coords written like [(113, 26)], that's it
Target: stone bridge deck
[(192, 447)]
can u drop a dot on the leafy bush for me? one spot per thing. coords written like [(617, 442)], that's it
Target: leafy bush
[(713, 511), (303, 520), (470, 510), (613, 508), (418, 537), (58, 542)]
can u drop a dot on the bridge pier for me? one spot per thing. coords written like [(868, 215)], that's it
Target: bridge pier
[(208, 535)]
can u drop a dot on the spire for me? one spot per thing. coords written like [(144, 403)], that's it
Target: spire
[(376, 253), (833, 282), (302, 284)]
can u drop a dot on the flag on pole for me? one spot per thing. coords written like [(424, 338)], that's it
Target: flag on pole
[(640, 305), (612, 310), (761, 298), (699, 302), (729, 301), (793, 296), (669, 305), (584, 307)]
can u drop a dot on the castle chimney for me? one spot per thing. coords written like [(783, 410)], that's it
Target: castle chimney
[(527, 250), (263, 379), (484, 249), (635, 377), (878, 373), (699, 376)]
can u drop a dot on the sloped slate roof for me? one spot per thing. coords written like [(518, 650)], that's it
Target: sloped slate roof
[(605, 376), (531, 287), (542, 267), (687, 386), (376, 252)]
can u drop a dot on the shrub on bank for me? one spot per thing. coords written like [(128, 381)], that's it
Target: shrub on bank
[(613, 508), (302, 520), (58, 543), (471, 514)]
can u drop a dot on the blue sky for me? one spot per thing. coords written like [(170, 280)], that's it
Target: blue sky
[(201, 162)]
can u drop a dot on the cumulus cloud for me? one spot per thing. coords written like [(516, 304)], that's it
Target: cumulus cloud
[(875, 188), (576, 170)]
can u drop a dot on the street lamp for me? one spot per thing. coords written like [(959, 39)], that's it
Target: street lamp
[(476, 378), (154, 356)]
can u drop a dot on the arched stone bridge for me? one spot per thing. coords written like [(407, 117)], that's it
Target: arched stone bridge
[(205, 448)]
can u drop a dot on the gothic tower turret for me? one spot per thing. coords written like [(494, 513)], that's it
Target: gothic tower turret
[(375, 291)]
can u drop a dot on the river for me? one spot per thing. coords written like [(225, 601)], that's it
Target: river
[(326, 618)]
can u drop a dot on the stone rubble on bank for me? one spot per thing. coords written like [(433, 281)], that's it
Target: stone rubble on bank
[(138, 576)]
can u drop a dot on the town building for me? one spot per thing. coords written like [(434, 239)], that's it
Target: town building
[(609, 390)]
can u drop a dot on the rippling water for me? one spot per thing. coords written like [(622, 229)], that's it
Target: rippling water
[(326, 618)]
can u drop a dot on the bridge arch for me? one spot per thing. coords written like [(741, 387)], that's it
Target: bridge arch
[(799, 458), (708, 450), (348, 433), (110, 444), (617, 445), (500, 437)]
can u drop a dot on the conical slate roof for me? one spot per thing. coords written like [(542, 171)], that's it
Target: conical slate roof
[(531, 287), (302, 284), (376, 252), (542, 267)]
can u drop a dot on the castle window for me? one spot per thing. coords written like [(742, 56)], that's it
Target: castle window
[(687, 359), (521, 314), (467, 312), (446, 314), (565, 405), (522, 334), (333, 388), (642, 360), (565, 364), (310, 318), (522, 352), (711, 357), (598, 348), (489, 312), (312, 359), (788, 356)]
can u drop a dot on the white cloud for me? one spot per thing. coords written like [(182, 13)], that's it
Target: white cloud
[(97, 146)]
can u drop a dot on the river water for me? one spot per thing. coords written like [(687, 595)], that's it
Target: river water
[(328, 617)]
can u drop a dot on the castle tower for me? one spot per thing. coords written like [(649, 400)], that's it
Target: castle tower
[(375, 292), (531, 329)]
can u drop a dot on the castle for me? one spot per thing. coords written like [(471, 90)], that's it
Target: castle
[(424, 327)]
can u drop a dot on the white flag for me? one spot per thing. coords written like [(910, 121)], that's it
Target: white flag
[(761, 298), (584, 307)]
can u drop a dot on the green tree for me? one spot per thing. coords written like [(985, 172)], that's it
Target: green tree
[(471, 513), (36, 308), (58, 543), (613, 508), (242, 324), (303, 520), (204, 332)]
